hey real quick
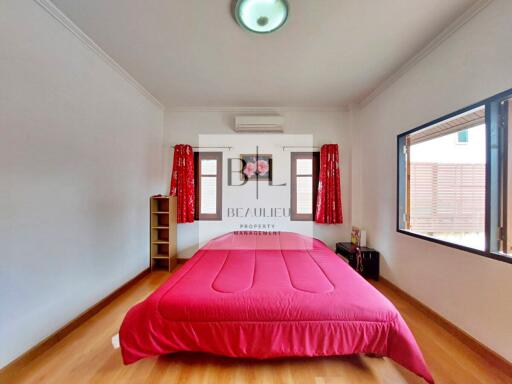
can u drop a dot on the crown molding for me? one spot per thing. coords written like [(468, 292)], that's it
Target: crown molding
[(469, 14), (58, 15), (235, 109)]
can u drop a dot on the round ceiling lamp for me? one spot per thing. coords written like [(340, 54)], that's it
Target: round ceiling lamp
[(261, 16)]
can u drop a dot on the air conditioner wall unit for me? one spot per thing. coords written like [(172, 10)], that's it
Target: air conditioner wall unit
[(272, 123)]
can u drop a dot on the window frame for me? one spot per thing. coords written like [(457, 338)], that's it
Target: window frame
[(495, 178), (198, 156), (315, 176)]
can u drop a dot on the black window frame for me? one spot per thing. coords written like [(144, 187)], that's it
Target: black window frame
[(198, 156), (495, 177), (294, 156)]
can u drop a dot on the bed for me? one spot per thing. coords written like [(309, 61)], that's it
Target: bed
[(268, 295)]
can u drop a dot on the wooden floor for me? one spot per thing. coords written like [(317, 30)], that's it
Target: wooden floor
[(86, 356)]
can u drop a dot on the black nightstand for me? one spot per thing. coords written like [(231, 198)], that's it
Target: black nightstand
[(368, 265)]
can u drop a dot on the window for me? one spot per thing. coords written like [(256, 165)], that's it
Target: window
[(463, 137), (505, 221), (457, 195), (304, 184), (208, 172)]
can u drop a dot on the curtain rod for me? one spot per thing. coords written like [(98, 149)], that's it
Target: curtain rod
[(228, 148), (285, 147)]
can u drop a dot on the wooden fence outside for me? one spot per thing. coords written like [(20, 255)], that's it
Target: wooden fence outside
[(447, 197)]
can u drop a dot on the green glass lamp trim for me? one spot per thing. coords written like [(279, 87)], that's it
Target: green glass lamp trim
[(261, 16)]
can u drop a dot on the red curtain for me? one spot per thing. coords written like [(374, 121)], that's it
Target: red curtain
[(328, 204), (182, 182)]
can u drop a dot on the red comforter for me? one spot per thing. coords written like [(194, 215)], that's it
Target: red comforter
[(265, 296)]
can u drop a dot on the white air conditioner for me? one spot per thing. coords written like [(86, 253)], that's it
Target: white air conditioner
[(259, 123)]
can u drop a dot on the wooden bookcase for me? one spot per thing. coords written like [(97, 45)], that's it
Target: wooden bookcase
[(162, 250)]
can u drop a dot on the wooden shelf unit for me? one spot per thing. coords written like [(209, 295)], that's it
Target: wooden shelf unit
[(162, 245)]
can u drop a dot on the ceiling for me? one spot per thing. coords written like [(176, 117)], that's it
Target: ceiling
[(329, 54)]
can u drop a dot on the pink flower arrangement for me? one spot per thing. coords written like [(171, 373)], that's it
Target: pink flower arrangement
[(259, 167), (262, 166), (249, 169)]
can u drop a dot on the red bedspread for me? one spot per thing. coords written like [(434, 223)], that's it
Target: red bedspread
[(265, 296)]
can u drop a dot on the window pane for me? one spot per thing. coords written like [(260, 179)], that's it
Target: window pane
[(208, 195), (462, 136), (208, 167), (304, 166), (447, 185), (305, 194)]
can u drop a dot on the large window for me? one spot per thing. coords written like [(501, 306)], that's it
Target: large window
[(208, 172), (454, 175), (505, 124), (304, 185)]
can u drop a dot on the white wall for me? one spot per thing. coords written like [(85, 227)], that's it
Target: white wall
[(80, 153), (325, 126), (471, 291), (446, 149)]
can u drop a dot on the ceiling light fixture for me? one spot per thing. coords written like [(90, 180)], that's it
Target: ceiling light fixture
[(261, 16)]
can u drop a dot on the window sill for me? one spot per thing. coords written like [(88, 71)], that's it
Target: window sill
[(490, 255)]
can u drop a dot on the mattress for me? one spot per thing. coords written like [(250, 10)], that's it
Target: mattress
[(265, 296)]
